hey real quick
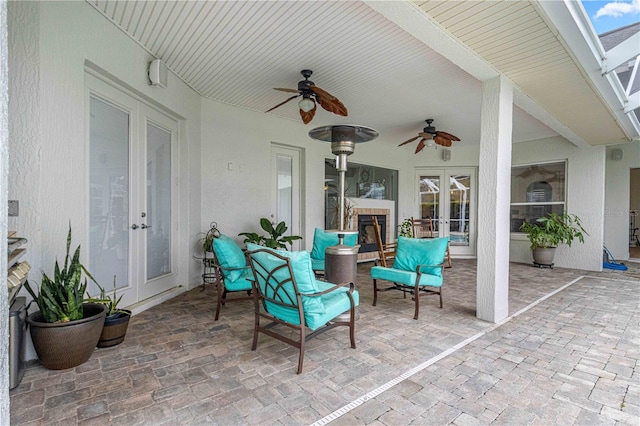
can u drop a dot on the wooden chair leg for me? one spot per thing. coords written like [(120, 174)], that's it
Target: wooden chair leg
[(448, 257), (440, 293), (416, 296)]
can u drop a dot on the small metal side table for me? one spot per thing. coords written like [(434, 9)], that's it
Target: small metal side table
[(208, 273)]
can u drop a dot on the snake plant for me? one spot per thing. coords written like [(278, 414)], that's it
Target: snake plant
[(60, 298)]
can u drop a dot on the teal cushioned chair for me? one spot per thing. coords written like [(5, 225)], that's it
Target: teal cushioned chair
[(417, 269), (322, 240), (231, 271), (286, 292)]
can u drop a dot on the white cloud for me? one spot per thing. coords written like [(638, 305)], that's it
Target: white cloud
[(617, 9)]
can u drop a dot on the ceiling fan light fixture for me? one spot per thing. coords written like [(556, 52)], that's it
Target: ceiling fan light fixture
[(430, 142), (306, 104)]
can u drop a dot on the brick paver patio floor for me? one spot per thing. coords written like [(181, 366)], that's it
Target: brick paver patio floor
[(567, 354)]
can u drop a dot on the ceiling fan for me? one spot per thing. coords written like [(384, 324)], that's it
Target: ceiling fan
[(310, 95), (429, 133)]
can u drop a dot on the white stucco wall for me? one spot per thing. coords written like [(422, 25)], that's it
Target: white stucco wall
[(50, 44), (4, 154), (618, 199), (236, 199), (585, 198)]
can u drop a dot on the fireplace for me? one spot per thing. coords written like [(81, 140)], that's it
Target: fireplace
[(363, 223), (366, 232)]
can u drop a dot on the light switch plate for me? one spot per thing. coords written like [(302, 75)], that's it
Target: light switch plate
[(13, 208)]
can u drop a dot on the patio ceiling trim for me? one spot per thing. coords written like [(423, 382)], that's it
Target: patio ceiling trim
[(412, 19), (579, 35)]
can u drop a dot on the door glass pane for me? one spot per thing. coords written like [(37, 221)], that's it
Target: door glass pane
[(285, 190), (430, 199), (109, 195), (459, 198), (158, 214)]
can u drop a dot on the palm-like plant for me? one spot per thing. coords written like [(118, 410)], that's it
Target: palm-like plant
[(60, 299)]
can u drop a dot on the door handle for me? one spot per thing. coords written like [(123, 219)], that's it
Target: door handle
[(143, 226), (134, 226)]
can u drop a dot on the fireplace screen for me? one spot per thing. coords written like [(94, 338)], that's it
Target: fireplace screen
[(366, 232)]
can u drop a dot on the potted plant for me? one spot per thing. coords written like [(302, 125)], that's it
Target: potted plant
[(276, 238), (405, 229), (549, 231), (116, 321), (65, 330)]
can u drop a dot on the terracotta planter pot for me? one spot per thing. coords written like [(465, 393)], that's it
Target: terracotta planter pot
[(114, 329), (68, 344)]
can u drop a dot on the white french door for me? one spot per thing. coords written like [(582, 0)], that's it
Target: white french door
[(286, 189), (131, 169), (448, 197)]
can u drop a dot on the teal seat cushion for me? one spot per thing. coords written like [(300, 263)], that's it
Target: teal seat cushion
[(243, 283), (322, 240), (229, 255), (404, 277), (303, 273), (412, 252)]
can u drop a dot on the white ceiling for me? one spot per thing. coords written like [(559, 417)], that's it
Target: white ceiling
[(236, 52)]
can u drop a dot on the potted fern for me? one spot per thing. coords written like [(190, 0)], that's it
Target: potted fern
[(116, 321), (65, 330), (549, 231)]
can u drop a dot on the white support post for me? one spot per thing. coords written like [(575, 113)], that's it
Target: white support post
[(494, 192)]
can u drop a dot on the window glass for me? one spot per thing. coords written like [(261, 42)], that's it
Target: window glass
[(536, 190), (361, 181)]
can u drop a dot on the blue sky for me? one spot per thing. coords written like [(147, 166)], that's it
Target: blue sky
[(609, 15)]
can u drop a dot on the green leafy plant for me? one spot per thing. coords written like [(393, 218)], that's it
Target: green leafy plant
[(60, 299), (275, 239), (553, 229), (405, 229), (207, 240), (110, 301)]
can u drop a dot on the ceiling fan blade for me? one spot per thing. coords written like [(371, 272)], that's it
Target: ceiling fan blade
[(308, 116), (329, 102), (440, 140), (447, 135), (426, 135), (282, 103), (421, 145), (283, 89), (409, 141)]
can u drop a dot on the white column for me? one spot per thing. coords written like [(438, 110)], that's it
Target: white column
[(4, 185), (494, 193)]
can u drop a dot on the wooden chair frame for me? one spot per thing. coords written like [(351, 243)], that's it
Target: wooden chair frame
[(220, 287), (386, 252), (283, 297), (423, 228)]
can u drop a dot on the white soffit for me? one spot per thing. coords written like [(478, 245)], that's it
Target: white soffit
[(518, 41)]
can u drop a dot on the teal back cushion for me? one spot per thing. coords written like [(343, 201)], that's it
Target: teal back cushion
[(322, 240), (229, 255), (412, 252), (302, 271)]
